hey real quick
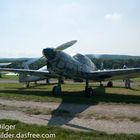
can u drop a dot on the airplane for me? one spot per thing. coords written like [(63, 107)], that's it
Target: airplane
[(61, 65), (26, 78), (5, 64), (2, 65)]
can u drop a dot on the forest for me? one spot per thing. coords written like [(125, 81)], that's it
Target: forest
[(105, 62)]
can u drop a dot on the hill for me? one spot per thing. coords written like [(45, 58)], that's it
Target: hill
[(111, 56)]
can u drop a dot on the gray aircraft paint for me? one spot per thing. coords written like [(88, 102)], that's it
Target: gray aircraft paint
[(80, 66), (68, 66)]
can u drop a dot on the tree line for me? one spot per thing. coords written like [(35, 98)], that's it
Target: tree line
[(116, 63), (107, 63)]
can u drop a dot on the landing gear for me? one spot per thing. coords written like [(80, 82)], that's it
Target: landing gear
[(110, 84), (101, 84), (47, 81), (127, 83), (27, 84), (62, 81), (88, 90), (57, 89), (35, 82)]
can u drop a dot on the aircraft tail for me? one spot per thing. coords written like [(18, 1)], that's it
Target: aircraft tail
[(102, 66), (25, 78)]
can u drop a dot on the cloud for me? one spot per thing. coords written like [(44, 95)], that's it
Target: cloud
[(113, 18)]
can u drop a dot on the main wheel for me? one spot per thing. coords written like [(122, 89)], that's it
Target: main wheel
[(101, 85), (47, 81), (110, 84), (88, 92), (27, 85), (56, 90), (62, 81)]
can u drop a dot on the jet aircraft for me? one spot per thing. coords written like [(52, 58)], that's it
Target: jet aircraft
[(61, 65)]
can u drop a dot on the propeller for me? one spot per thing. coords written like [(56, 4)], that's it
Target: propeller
[(65, 45), (50, 53)]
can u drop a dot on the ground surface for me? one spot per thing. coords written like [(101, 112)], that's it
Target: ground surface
[(108, 118), (112, 110)]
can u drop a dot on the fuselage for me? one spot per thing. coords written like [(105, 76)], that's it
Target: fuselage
[(63, 64), (32, 78)]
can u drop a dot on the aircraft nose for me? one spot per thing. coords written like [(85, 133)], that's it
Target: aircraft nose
[(49, 53)]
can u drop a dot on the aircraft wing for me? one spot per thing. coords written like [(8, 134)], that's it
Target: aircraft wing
[(30, 72), (4, 64), (103, 75)]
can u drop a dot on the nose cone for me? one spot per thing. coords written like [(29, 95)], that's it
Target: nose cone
[(49, 53)]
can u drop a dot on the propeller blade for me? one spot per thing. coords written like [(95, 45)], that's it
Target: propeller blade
[(66, 45)]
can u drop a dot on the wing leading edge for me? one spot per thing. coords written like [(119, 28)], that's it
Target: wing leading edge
[(93, 75), (112, 74), (30, 72)]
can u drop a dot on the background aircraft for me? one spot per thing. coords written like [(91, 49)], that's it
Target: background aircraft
[(3, 65), (26, 78), (62, 65)]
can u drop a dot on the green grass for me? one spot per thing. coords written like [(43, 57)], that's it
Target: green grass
[(9, 77), (63, 134), (72, 93)]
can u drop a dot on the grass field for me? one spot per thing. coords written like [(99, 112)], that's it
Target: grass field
[(72, 93), (61, 133), (9, 77)]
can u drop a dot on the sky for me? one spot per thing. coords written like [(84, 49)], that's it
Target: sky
[(100, 26)]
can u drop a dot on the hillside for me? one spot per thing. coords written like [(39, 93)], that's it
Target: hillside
[(111, 56)]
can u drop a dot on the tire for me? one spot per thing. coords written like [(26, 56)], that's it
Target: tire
[(101, 85), (110, 84), (62, 81), (56, 90), (88, 92), (27, 85)]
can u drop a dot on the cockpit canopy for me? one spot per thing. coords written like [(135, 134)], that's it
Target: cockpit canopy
[(84, 60)]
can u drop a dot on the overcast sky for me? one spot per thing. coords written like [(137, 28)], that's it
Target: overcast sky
[(100, 26)]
